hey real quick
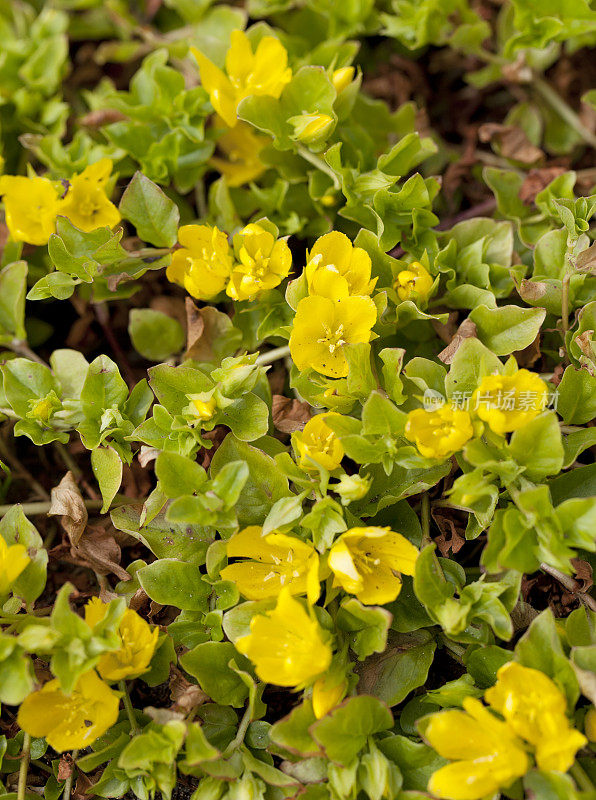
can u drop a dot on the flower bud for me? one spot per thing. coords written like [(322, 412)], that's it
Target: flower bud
[(312, 128), (201, 407), (352, 487), (342, 78)]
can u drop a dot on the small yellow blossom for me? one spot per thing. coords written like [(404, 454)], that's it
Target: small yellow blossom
[(263, 262), (240, 147), (328, 692), (272, 562), (342, 78), (202, 406), (70, 721), (441, 432), (204, 262), (590, 724), (414, 283), (13, 560), (287, 646), (86, 203), (322, 327), (334, 264), (137, 643), (535, 708), (318, 443), (367, 562), (30, 208), (264, 72), (312, 128), (486, 753), (508, 402)]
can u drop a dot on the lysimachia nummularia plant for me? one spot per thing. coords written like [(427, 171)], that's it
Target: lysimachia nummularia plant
[(298, 358)]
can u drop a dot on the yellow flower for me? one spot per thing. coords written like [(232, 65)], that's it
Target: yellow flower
[(202, 406), (327, 693), (13, 560), (204, 262), (318, 443), (30, 208), (414, 283), (322, 327), (286, 645), (241, 147), (535, 708), (137, 645), (86, 203), (367, 562), (263, 262), (342, 78), (590, 724), (70, 721), (272, 562), (439, 433), (334, 264), (487, 755), (508, 402), (264, 72)]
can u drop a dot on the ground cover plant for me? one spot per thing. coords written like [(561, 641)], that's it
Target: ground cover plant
[(298, 356)]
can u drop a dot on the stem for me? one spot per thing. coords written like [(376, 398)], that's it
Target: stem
[(128, 706), (16, 465), (24, 767), (557, 103), (318, 162), (68, 781), (570, 584), (69, 461), (102, 316), (201, 201), (273, 355), (579, 776), (455, 650), (33, 509), (425, 519), (23, 349), (240, 733)]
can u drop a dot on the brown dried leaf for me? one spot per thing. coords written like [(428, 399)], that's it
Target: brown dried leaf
[(583, 574), (536, 180), (467, 330), (185, 695), (586, 261), (69, 505), (99, 551), (65, 767), (511, 142), (289, 415), (532, 291), (103, 116)]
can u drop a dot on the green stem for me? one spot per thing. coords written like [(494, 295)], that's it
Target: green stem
[(319, 163), (425, 519), (24, 767), (456, 651), (556, 102), (241, 732), (580, 777), (273, 355), (23, 349), (33, 509), (68, 781), (128, 706)]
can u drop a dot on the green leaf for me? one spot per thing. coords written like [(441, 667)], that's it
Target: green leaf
[(178, 475), (576, 396), (507, 328), (400, 668), (107, 468), (538, 446), (472, 362), (155, 335), (265, 485), (13, 288), (344, 731), (367, 626), (175, 583), (209, 664), (152, 213), (103, 388)]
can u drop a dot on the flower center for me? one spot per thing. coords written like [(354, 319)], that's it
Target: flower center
[(333, 339)]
